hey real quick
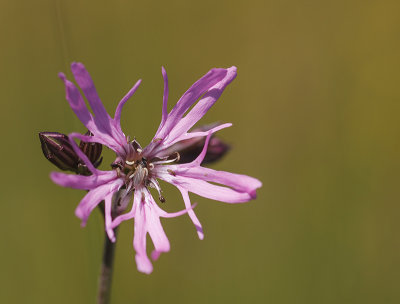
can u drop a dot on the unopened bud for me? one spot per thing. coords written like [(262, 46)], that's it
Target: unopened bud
[(189, 149), (216, 150), (92, 151), (58, 150)]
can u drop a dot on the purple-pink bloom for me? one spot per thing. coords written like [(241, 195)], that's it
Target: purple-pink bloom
[(137, 169)]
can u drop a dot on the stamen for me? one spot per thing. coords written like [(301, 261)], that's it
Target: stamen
[(154, 184), (168, 161), (178, 157), (139, 151), (130, 163)]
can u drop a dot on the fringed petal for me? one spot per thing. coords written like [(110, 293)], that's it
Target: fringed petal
[(82, 182), (192, 215), (94, 197), (174, 125), (77, 103), (139, 240), (118, 111)]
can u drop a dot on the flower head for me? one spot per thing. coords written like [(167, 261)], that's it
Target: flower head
[(137, 169)]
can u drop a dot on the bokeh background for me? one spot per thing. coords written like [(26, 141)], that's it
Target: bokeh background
[(315, 110)]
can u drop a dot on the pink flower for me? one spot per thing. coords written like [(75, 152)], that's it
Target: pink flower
[(136, 169)]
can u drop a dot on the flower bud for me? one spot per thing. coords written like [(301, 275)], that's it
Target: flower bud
[(57, 149), (189, 149), (92, 151)]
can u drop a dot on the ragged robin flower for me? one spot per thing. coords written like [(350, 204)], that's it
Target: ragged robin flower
[(137, 169)]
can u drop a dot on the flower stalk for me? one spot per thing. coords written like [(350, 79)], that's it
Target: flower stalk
[(105, 278)]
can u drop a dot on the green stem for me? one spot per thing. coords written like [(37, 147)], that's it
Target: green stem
[(104, 287)]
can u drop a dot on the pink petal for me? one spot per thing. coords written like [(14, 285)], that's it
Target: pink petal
[(82, 182), (118, 111), (205, 189), (101, 125), (85, 82), (79, 152), (239, 182), (190, 97), (200, 109), (165, 214), (139, 241), (108, 216), (191, 213), (199, 159), (165, 99), (154, 228), (94, 197), (157, 234), (102, 139), (203, 85), (190, 135), (131, 214), (77, 103)]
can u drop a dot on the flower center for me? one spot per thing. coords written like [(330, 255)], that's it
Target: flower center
[(136, 169)]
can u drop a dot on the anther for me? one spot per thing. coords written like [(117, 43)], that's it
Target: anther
[(130, 163), (171, 172), (151, 166), (162, 199)]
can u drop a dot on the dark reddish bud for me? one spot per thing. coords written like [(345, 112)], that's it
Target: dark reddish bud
[(216, 150), (92, 151), (189, 149), (58, 150)]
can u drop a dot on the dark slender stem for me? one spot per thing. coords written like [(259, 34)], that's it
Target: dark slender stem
[(105, 278)]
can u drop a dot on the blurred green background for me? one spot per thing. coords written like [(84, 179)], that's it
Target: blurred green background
[(315, 110)]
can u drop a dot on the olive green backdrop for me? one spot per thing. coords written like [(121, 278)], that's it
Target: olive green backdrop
[(315, 110)]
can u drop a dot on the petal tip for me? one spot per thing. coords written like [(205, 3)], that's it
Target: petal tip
[(201, 235), (62, 76), (75, 65), (155, 255), (79, 214), (53, 176), (143, 265)]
